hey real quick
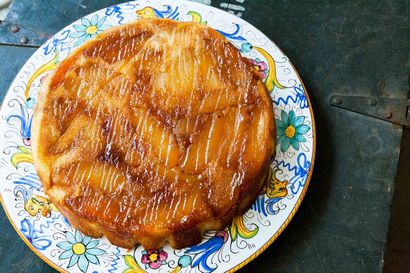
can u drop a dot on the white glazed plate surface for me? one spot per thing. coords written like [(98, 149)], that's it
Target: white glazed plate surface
[(49, 234)]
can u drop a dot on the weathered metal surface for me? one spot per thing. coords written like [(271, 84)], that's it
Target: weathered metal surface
[(387, 109), (12, 34), (12, 59), (347, 48)]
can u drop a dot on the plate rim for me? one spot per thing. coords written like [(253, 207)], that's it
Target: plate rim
[(291, 214), (303, 193)]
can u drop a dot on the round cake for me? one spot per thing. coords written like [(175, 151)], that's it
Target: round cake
[(153, 132)]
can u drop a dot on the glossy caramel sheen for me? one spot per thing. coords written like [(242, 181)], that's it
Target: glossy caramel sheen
[(153, 131)]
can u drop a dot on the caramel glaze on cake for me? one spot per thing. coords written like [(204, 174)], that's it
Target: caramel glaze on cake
[(153, 131)]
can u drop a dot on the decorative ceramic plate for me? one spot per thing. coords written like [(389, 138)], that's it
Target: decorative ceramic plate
[(51, 237)]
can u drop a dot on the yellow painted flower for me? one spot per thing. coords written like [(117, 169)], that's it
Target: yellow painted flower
[(81, 250), (290, 130), (88, 29)]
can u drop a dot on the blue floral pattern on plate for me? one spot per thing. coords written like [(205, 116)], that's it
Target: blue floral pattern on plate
[(49, 234), (81, 250), (88, 29)]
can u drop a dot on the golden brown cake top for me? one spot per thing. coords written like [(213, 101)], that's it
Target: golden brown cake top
[(153, 129)]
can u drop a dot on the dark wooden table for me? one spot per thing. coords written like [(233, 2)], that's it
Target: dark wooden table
[(348, 48)]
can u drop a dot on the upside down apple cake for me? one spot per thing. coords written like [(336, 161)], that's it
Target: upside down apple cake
[(153, 131)]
